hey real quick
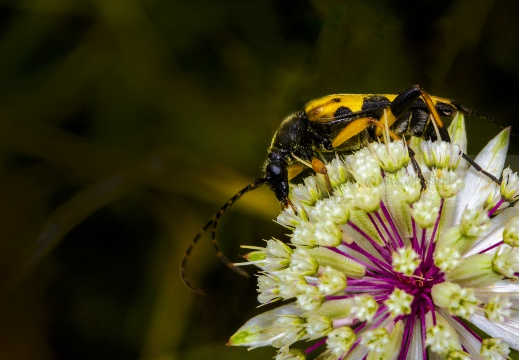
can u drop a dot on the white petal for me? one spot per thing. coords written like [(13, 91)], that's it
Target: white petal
[(478, 186), (359, 352), (368, 228), (416, 346), (468, 341), (501, 288), (495, 233), (457, 132), (257, 327), (507, 331)]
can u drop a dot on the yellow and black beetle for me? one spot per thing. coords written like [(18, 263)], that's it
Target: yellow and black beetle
[(344, 123)]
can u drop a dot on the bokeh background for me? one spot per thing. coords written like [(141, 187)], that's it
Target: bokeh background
[(124, 125)]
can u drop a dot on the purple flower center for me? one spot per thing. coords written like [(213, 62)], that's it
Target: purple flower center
[(381, 279)]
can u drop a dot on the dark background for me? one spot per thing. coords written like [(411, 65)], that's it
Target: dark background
[(124, 125)]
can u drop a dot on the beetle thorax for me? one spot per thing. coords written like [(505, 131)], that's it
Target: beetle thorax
[(292, 133)]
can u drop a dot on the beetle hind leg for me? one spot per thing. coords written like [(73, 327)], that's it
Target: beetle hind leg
[(444, 135), (405, 100), (358, 125), (476, 166)]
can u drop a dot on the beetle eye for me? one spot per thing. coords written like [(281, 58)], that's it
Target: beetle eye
[(275, 171)]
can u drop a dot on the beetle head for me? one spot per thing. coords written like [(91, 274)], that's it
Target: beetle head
[(276, 174)]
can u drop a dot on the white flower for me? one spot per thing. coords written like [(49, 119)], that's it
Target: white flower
[(383, 269), (510, 185)]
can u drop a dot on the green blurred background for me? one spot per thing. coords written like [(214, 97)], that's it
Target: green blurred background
[(124, 125)]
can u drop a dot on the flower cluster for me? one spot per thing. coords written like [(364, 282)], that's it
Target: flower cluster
[(383, 269)]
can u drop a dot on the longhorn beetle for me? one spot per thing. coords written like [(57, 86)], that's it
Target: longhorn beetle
[(345, 123)]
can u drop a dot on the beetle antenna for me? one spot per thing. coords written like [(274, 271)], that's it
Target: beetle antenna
[(469, 111), (214, 222), (492, 120)]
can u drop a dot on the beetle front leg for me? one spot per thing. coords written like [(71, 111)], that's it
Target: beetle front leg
[(308, 157), (320, 168)]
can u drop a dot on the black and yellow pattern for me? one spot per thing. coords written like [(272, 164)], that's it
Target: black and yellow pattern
[(342, 123)]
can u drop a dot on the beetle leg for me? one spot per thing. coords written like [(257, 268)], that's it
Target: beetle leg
[(404, 101), (356, 126), (319, 139), (294, 170), (439, 126), (416, 168), (320, 168), (408, 97), (352, 129), (317, 165), (476, 166)]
